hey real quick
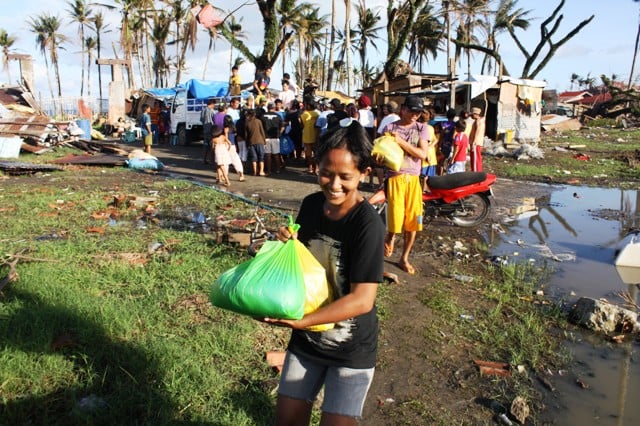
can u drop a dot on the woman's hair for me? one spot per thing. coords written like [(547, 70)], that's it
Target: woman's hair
[(349, 135), (216, 131), (352, 110)]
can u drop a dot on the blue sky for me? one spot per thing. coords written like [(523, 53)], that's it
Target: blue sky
[(605, 46)]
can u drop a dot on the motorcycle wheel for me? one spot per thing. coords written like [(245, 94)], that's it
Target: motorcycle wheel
[(471, 210)]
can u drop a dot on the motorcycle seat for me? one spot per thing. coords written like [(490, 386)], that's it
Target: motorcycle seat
[(455, 180)]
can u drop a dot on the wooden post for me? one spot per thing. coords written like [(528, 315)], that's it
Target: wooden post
[(117, 90), (26, 69)]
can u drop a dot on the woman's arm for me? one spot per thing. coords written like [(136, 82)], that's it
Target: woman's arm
[(359, 301)]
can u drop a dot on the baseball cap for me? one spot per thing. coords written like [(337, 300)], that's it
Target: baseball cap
[(413, 103)]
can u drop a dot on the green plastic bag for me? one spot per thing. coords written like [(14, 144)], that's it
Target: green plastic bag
[(269, 285)]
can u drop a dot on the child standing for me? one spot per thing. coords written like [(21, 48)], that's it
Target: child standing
[(144, 122), (344, 233), (460, 148), (221, 147)]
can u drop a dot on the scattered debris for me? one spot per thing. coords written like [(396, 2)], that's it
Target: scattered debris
[(604, 317), (490, 368), (547, 383), (463, 278), (582, 383), (519, 409), (23, 168)]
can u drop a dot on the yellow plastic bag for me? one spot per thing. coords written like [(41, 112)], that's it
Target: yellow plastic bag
[(385, 148), (318, 293), (284, 280)]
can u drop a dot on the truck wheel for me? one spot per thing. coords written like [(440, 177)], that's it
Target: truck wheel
[(182, 135)]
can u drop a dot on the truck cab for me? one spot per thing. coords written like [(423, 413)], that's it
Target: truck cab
[(185, 117), (187, 106)]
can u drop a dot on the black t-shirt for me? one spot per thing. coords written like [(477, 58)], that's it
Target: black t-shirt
[(351, 251), (334, 118), (272, 123)]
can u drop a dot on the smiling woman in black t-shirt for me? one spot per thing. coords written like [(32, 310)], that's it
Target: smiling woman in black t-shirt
[(346, 236)]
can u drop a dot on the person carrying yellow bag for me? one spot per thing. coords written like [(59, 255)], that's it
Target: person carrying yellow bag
[(345, 235)]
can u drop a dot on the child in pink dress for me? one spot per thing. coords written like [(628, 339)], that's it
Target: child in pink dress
[(221, 147)]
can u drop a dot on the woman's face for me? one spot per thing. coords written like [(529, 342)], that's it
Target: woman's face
[(339, 177)]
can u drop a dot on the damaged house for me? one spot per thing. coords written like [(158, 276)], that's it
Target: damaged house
[(512, 107)]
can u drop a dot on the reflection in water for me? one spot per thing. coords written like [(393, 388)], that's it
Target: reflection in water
[(591, 223), (625, 366)]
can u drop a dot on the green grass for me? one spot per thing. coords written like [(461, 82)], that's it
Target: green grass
[(613, 159), (97, 330)]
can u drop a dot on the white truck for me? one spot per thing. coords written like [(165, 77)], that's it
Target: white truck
[(187, 105)]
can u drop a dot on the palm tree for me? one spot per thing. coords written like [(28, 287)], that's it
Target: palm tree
[(635, 56), (213, 34), (79, 13), (185, 31), (6, 41), (235, 29), (46, 27), (366, 32), (90, 44), (347, 33), (292, 21), (508, 17), (468, 12), (426, 37), (331, 44), (99, 27), (400, 22), (573, 79), (161, 27), (312, 35)]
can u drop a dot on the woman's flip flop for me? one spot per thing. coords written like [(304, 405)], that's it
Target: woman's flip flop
[(407, 267)]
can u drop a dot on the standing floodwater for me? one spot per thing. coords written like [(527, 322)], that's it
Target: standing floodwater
[(578, 231)]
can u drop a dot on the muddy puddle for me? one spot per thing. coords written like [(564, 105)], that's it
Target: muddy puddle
[(577, 231)]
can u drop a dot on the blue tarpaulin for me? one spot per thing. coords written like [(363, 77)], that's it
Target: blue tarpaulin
[(161, 93), (201, 89)]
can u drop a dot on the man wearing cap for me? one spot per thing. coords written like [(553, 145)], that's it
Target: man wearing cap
[(476, 139), (404, 190)]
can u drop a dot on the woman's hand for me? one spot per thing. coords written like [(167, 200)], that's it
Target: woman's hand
[(295, 324), (284, 234)]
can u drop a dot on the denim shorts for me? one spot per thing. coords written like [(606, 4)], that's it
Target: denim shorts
[(345, 389), (255, 153)]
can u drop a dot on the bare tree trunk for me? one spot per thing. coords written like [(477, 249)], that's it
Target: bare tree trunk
[(347, 31), (635, 55), (331, 44)]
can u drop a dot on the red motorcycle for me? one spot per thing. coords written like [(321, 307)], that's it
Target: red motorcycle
[(462, 197)]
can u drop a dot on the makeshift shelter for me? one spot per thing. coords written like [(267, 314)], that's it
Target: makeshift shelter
[(513, 109), (384, 89)]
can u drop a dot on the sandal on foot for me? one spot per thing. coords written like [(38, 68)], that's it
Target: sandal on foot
[(388, 249), (407, 267)]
